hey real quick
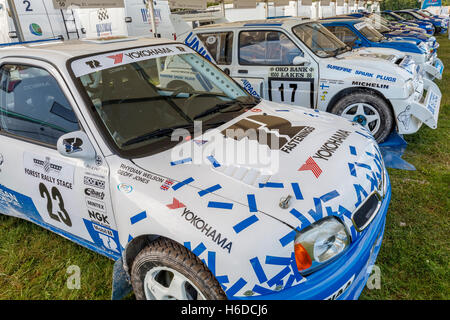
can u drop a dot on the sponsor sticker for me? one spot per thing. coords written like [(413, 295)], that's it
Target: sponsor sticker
[(91, 64)]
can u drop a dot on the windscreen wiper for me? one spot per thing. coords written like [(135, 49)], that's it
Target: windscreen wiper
[(218, 107), (161, 132)]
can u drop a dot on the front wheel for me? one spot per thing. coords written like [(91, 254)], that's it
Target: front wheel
[(369, 110), (165, 270)]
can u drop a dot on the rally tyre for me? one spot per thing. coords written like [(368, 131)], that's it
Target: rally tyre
[(369, 110), (165, 270)]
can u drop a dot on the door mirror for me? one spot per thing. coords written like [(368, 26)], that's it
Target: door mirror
[(76, 145), (299, 60)]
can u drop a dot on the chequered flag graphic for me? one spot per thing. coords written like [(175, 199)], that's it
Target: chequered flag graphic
[(102, 14)]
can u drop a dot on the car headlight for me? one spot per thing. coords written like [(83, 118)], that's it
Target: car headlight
[(320, 243)]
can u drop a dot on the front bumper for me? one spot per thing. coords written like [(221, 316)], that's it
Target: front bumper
[(418, 108), (346, 277), (434, 67)]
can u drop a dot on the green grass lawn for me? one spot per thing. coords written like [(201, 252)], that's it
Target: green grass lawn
[(414, 257)]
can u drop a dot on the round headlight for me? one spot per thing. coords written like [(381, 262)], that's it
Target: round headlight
[(320, 242)]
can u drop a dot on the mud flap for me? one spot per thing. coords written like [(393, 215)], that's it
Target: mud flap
[(428, 112), (121, 286), (392, 150)]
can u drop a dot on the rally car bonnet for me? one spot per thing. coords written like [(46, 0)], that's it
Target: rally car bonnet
[(322, 163)]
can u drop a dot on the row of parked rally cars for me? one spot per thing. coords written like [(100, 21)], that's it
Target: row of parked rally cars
[(88, 149)]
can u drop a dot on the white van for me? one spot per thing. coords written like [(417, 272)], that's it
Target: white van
[(39, 20)]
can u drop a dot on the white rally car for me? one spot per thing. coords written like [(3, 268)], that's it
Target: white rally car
[(95, 148), (299, 62)]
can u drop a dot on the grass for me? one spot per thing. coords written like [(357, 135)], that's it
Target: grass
[(414, 257)]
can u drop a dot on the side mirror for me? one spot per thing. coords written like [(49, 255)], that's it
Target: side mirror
[(299, 60), (76, 145)]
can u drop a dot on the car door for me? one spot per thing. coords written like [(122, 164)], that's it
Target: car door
[(66, 195), (265, 61)]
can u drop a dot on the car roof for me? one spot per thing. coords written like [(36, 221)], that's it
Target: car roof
[(58, 51), (349, 20), (278, 22)]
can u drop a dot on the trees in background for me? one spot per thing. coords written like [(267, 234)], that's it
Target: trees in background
[(399, 4)]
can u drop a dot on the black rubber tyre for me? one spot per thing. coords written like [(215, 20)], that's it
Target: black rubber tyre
[(380, 105), (166, 253)]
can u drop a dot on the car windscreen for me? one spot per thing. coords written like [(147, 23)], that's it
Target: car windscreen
[(381, 24), (369, 32), (416, 15), (319, 39), (139, 96), (398, 17)]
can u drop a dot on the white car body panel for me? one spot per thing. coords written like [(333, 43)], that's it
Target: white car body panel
[(112, 200)]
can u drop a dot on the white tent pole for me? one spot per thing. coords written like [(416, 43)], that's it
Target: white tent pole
[(151, 11)]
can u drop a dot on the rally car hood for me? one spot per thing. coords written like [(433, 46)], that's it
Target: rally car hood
[(321, 159), (369, 58)]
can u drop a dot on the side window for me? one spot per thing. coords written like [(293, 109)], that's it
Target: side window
[(344, 34), (270, 48), (219, 45), (405, 15), (33, 106), (388, 17)]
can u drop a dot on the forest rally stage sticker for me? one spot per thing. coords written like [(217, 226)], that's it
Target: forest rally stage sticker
[(51, 186)]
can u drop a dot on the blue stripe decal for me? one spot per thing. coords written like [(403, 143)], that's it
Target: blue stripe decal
[(138, 217), (238, 285), (288, 238), (277, 278), (209, 190), (212, 262), (213, 161), (252, 203), (199, 249), (329, 196), (220, 205), (182, 183), (130, 238), (297, 192), (353, 150), (271, 185), (352, 169), (261, 290), (244, 224), (259, 271), (363, 165), (278, 261), (181, 161), (289, 282), (304, 222)]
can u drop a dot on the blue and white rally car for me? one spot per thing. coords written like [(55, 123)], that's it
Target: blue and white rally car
[(361, 33), (96, 148)]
